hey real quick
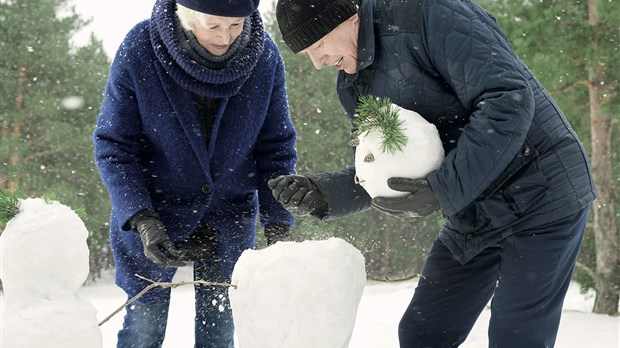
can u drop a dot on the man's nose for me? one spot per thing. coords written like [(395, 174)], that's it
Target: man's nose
[(317, 60)]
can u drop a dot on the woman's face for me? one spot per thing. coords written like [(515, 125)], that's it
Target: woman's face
[(338, 48), (216, 33)]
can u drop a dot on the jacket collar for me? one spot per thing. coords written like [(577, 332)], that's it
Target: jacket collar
[(366, 35), (365, 42)]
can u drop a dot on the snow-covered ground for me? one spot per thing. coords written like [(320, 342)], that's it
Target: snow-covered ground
[(379, 311)]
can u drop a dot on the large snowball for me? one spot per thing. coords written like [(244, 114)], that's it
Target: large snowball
[(65, 321), (422, 154), (297, 294), (44, 251)]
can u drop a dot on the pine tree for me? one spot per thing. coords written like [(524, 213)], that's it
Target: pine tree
[(50, 98)]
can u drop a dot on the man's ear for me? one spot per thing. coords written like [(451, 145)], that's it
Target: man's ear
[(355, 18)]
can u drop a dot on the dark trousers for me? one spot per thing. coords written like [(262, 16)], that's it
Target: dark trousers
[(145, 324), (527, 275)]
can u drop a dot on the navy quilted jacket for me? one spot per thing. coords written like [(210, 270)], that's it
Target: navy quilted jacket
[(512, 159), (151, 152)]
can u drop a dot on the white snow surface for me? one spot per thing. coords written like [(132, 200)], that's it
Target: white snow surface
[(66, 318), (376, 324), (289, 287), (422, 154)]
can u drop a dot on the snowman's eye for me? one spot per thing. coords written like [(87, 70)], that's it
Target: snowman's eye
[(369, 158)]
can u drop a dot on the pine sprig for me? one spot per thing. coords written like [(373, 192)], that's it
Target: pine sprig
[(379, 114), (9, 205), (49, 197)]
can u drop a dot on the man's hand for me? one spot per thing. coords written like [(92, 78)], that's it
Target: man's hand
[(157, 246), (297, 193), (420, 200)]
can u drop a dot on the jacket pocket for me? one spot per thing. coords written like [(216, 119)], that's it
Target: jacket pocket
[(527, 192), (470, 219), (526, 154)]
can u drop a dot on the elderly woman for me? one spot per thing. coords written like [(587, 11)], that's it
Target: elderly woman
[(193, 124)]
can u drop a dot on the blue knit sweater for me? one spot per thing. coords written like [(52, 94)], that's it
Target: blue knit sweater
[(151, 152)]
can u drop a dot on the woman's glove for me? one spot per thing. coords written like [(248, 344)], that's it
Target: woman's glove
[(297, 193), (157, 246), (277, 232), (420, 200)]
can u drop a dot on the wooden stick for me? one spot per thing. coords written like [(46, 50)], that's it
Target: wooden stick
[(163, 285)]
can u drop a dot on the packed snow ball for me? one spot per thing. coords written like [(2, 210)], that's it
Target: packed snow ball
[(302, 295), (422, 154)]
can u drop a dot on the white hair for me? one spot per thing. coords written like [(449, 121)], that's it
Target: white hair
[(187, 17)]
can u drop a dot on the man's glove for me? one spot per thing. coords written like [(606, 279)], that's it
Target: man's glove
[(157, 246), (201, 245), (420, 201), (297, 193), (277, 232)]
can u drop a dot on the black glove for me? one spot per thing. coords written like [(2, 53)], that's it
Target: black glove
[(420, 201), (277, 232), (201, 245), (297, 193), (157, 246)]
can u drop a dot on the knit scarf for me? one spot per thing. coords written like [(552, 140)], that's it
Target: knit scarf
[(221, 82)]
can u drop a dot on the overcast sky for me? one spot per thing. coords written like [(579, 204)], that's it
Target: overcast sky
[(112, 19)]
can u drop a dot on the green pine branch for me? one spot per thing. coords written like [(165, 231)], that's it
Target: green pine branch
[(379, 114), (9, 205)]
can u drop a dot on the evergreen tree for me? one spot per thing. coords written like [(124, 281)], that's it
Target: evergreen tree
[(573, 47), (50, 98)]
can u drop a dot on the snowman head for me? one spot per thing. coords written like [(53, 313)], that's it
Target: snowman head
[(43, 250)]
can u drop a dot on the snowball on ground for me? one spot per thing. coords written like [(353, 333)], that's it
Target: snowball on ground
[(297, 294)]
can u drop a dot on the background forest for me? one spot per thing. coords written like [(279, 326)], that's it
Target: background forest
[(51, 91)]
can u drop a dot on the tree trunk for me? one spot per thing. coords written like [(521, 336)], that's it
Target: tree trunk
[(15, 130), (605, 226)]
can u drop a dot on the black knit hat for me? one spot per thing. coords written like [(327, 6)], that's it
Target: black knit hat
[(304, 22), (224, 8)]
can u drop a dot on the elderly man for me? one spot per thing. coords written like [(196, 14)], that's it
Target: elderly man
[(515, 185)]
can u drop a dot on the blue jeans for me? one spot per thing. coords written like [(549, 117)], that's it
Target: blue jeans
[(527, 274), (145, 324)]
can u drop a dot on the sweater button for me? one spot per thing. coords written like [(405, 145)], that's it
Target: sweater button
[(527, 151), (469, 236), (206, 188)]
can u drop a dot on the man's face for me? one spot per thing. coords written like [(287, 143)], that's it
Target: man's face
[(338, 48)]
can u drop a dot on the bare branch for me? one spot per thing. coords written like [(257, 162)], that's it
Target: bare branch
[(591, 273), (163, 285), (570, 85)]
